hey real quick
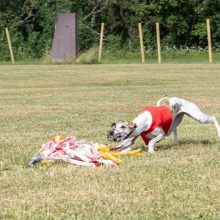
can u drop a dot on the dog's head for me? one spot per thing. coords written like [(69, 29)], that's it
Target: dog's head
[(120, 131)]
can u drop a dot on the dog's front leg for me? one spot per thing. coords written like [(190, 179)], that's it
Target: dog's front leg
[(153, 141), (126, 144)]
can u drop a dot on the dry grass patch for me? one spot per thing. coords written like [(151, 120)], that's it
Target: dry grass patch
[(37, 102)]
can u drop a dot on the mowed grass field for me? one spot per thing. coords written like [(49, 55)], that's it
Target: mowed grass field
[(40, 101)]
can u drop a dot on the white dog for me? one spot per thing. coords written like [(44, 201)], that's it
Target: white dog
[(154, 123)]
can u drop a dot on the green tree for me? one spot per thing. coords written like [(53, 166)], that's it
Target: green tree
[(31, 22)]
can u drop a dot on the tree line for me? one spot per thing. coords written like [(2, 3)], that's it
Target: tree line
[(31, 23)]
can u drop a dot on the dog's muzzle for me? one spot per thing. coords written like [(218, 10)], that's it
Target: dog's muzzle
[(116, 136), (111, 136)]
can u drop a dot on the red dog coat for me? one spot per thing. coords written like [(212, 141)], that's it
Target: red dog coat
[(161, 117)]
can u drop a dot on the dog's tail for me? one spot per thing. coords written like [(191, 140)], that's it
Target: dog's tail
[(163, 100)]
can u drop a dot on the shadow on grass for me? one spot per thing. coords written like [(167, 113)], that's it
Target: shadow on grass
[(183, 143)]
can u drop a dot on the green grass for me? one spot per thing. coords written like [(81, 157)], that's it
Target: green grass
[(128, 56), (37, 102), (176, 56)]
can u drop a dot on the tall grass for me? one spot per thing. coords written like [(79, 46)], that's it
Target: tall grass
[(39, 101)]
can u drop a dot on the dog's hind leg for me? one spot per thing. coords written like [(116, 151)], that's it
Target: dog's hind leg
[(217, 126), (175, 137), (194, 112)]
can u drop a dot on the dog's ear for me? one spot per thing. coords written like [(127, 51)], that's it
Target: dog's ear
[(132, 125)]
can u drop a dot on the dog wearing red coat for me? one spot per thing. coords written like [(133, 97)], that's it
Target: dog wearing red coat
[(154, 123)]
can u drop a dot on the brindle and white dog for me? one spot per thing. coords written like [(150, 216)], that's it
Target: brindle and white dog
[(154, 123)]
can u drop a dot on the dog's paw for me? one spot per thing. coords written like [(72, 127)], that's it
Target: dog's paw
[(150, 151), (127, 149), (176, 142)]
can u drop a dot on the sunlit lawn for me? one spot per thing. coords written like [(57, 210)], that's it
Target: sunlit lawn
[(37, 102)]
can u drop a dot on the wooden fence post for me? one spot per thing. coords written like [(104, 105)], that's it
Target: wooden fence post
[(101, 42), (141, 42), (9, 45), (158, 42), (209, 40)]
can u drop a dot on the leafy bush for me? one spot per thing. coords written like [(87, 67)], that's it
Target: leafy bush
[(31, 23)]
